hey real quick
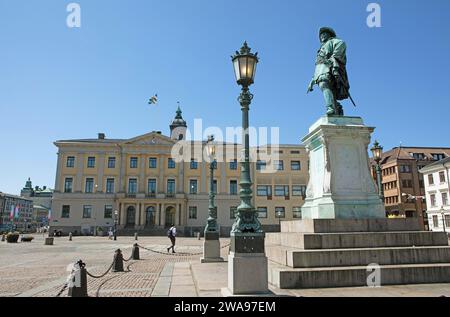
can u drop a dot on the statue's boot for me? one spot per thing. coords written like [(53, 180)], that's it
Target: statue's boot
[(330, 110), (340, 110)]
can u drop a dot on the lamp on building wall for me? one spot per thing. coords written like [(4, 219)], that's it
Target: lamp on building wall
[(377, 152)]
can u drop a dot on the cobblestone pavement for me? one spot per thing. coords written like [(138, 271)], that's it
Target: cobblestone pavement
[(33, 269)]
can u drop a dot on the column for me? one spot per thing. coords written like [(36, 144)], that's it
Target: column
[(177, 213), (123, 215), (203, 178), (159, 215), (79, 178), (119, 222), (142, 185), (161, 185), (181, 177), (122, 172), (224, 187), (101, 168), (138, 216), (143, 216), (58, 173)]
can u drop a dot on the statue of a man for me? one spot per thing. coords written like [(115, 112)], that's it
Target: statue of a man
[(330, 74)]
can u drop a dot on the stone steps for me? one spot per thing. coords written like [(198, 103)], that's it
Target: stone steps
[(309, 241), (296, 258), (350, 225), (289, 278)]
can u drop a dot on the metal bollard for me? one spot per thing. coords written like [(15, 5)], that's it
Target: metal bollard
[(70, 236), (3, 238), (118, 261), (136, 236), (135, 252), (78, 287)]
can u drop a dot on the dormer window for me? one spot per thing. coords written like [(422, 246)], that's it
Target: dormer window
[(418, 156)]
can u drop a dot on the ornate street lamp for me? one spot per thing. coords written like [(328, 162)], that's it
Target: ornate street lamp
[(377, 152), (116, 217), (211, 226), (247, 262), (211, 245), (245, 68)]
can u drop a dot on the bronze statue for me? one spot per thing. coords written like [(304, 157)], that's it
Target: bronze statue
[(330, 73)]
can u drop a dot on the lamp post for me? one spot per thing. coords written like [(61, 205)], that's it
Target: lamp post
[(211, 245), (247, 264), (443, 218), (116, 215), (377, 152)]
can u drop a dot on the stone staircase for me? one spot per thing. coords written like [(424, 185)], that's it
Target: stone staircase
[(324, 253)]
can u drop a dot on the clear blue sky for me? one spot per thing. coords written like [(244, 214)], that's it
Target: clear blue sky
[(60, 83)]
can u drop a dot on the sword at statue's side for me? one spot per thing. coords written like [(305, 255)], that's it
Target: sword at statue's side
[(339, 77)]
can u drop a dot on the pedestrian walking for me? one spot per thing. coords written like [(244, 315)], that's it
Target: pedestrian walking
[(171, 234)]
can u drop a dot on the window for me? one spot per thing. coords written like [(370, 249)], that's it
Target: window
[(279, 212), (418, 156), (262, 212), (194, 164), (110, 185), (91, 162), (192, 212), (279, 165), (87, 211), (444, 199), (233, 187), (421, 184), (407, 183), (152, 162), (151, 188), (295, 152), (438, 156), (295, 165), (447, 221), (409, 213), (65, 211), (233, 211), (215, 186), (433, 200), (233, 165), (193, 187), (297, 212), (68, 185), (442, 177), (261, 165), (89, 188), (171, 163), (132, 186), (70, 161), (264, 190), (298, 190), (133, 162), (281, 190), (430, 179), (170, 186), (111, 162), (108, 212), (405, 169), (435, 221)]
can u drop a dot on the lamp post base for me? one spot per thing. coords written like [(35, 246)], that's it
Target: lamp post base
[(211, 248), (247, 275)]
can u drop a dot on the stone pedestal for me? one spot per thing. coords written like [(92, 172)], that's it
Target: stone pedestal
[(211, 248), (247, 265), (340, 184)]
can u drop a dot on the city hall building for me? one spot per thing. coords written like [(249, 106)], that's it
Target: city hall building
[(140, 181)]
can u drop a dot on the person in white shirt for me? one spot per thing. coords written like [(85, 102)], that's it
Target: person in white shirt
[(171, 234)]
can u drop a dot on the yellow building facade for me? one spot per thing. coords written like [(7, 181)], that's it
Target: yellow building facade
[(151, 188)]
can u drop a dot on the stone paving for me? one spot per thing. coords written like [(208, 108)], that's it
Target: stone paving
[(35, 270)]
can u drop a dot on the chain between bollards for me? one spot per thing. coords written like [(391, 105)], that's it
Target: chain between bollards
[(178, 253)]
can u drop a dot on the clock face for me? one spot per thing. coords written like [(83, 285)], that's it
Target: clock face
[(154, 140)]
